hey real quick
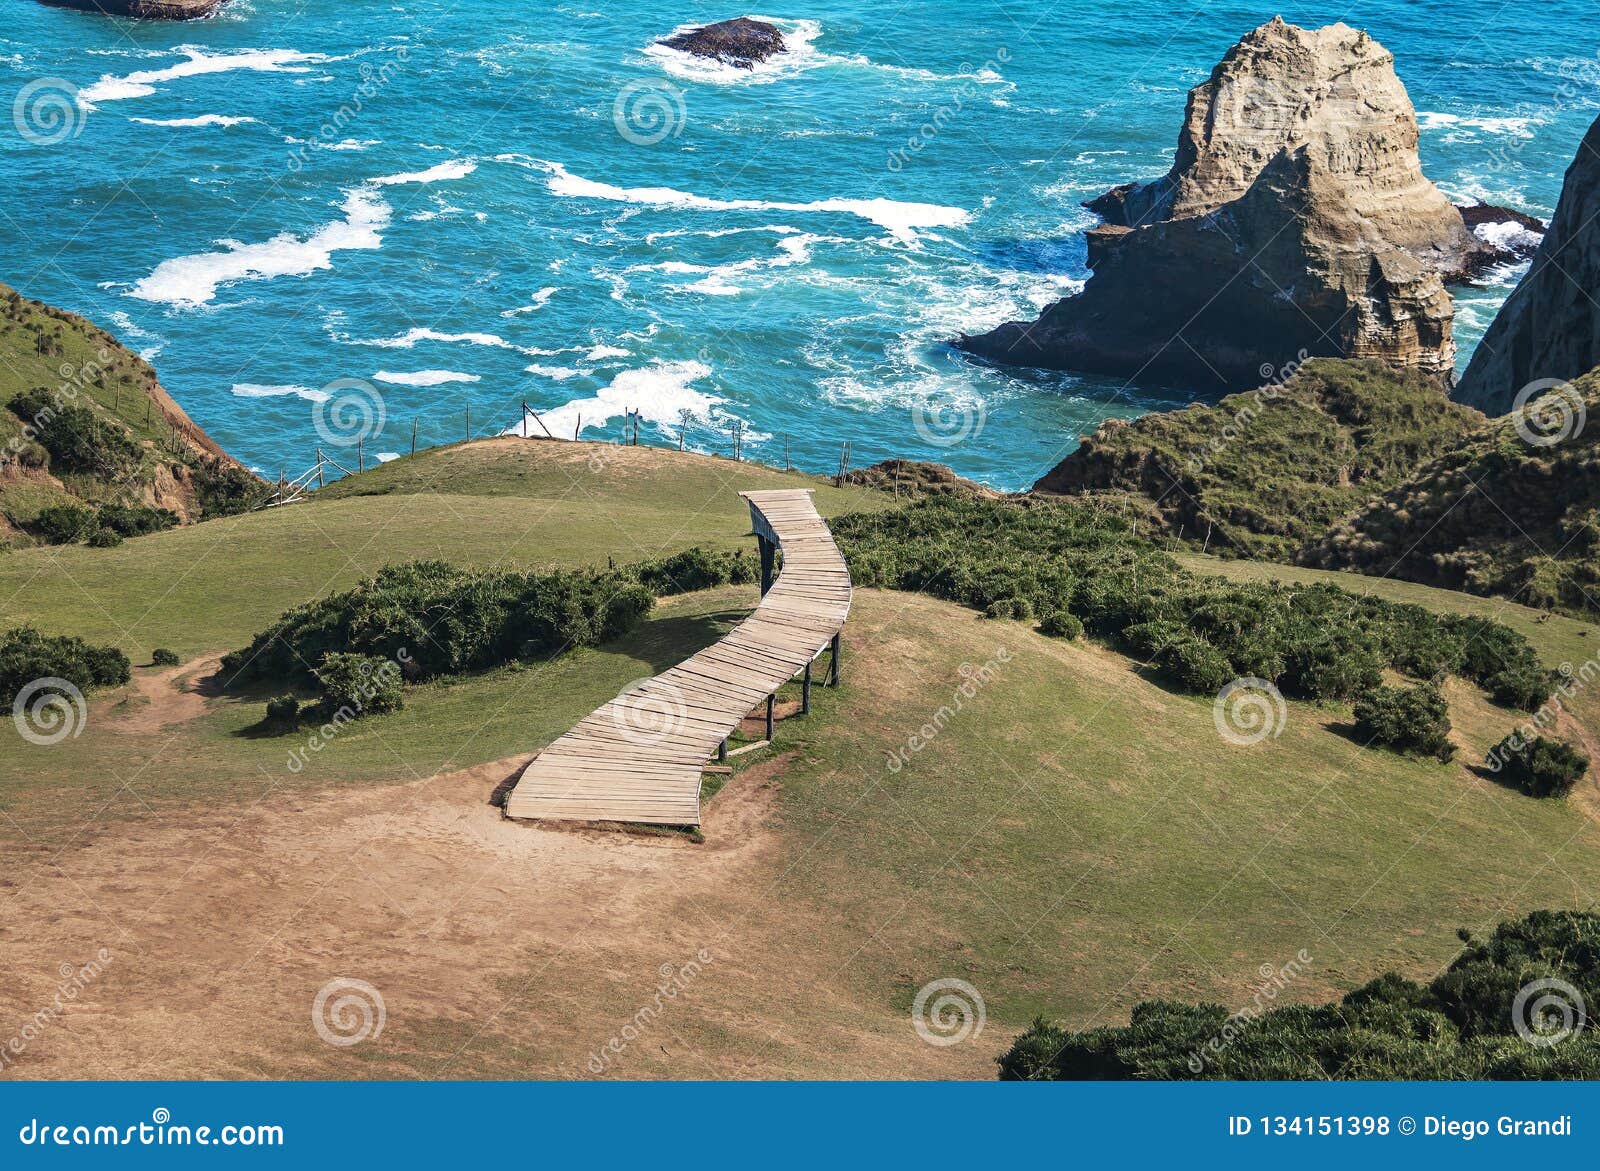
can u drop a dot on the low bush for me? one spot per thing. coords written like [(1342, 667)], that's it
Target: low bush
[(1313, 641), (1462, 1025), (283, 713), (104, 539), (77, 439), (1540, 767), (695, 569), (226, 489), (1061, 624), (63, 524), (136, 520), (162, 657), (1410, 719), (1019, 609), (359, 685), (27, 656)]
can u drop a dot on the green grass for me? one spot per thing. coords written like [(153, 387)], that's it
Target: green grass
[(513, 503), (1079, 838)]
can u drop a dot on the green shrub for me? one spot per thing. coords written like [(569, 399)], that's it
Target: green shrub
[(283, 712), (77, 439), (1019, 609), (1413, 719), (1061, 624), (1462, 1025), (62, 524), (1539, 767), (359, 685), (162, 657), (26, 656), (695, 569), (104, 539), (223, 489), (1313, 641), (136, 520), (1195, 666)]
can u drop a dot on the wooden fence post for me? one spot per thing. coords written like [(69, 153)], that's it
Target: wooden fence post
[(319, 467), (361, 460), (413, 437)]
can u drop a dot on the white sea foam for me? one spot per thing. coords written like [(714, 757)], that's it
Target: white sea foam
[(415, 334), (260, 390), (1460, 127), (554, 373), (602, 352), (142, 83), (190, 281), (1509, 234), (200, 120), (538, 302), (454, 169), (422, 377), (660, 392), (901, 219)]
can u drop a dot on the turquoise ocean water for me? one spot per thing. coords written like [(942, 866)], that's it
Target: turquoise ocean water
[(479, 204)]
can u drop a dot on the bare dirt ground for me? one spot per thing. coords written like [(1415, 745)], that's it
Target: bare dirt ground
[(497, 948)]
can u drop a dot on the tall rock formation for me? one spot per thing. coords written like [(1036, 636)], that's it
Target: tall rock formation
[(1550, 325), (1295, 221)]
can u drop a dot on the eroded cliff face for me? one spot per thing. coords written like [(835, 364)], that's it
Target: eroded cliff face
[(1549, 328), (1296, 221)]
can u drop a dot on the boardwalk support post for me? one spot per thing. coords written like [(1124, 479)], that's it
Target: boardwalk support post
[(805, 691), (833, 663), (770, 700), (722, 751)]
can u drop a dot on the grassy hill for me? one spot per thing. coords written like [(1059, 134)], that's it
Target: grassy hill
[(1264, 471), (83, 421), (1494, 514), (1075, 838)]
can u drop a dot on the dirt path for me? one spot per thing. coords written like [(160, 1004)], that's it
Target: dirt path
[(497, 948), (159, 699)]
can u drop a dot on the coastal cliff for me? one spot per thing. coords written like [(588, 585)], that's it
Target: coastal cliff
[(1549, 328), (1295, 221)]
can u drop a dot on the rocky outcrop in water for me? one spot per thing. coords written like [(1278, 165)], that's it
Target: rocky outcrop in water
[(743, 43), (1295, 221), (1550, 325), (145, 9)]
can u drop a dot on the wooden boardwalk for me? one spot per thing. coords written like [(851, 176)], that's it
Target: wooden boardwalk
[(639, 758)]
